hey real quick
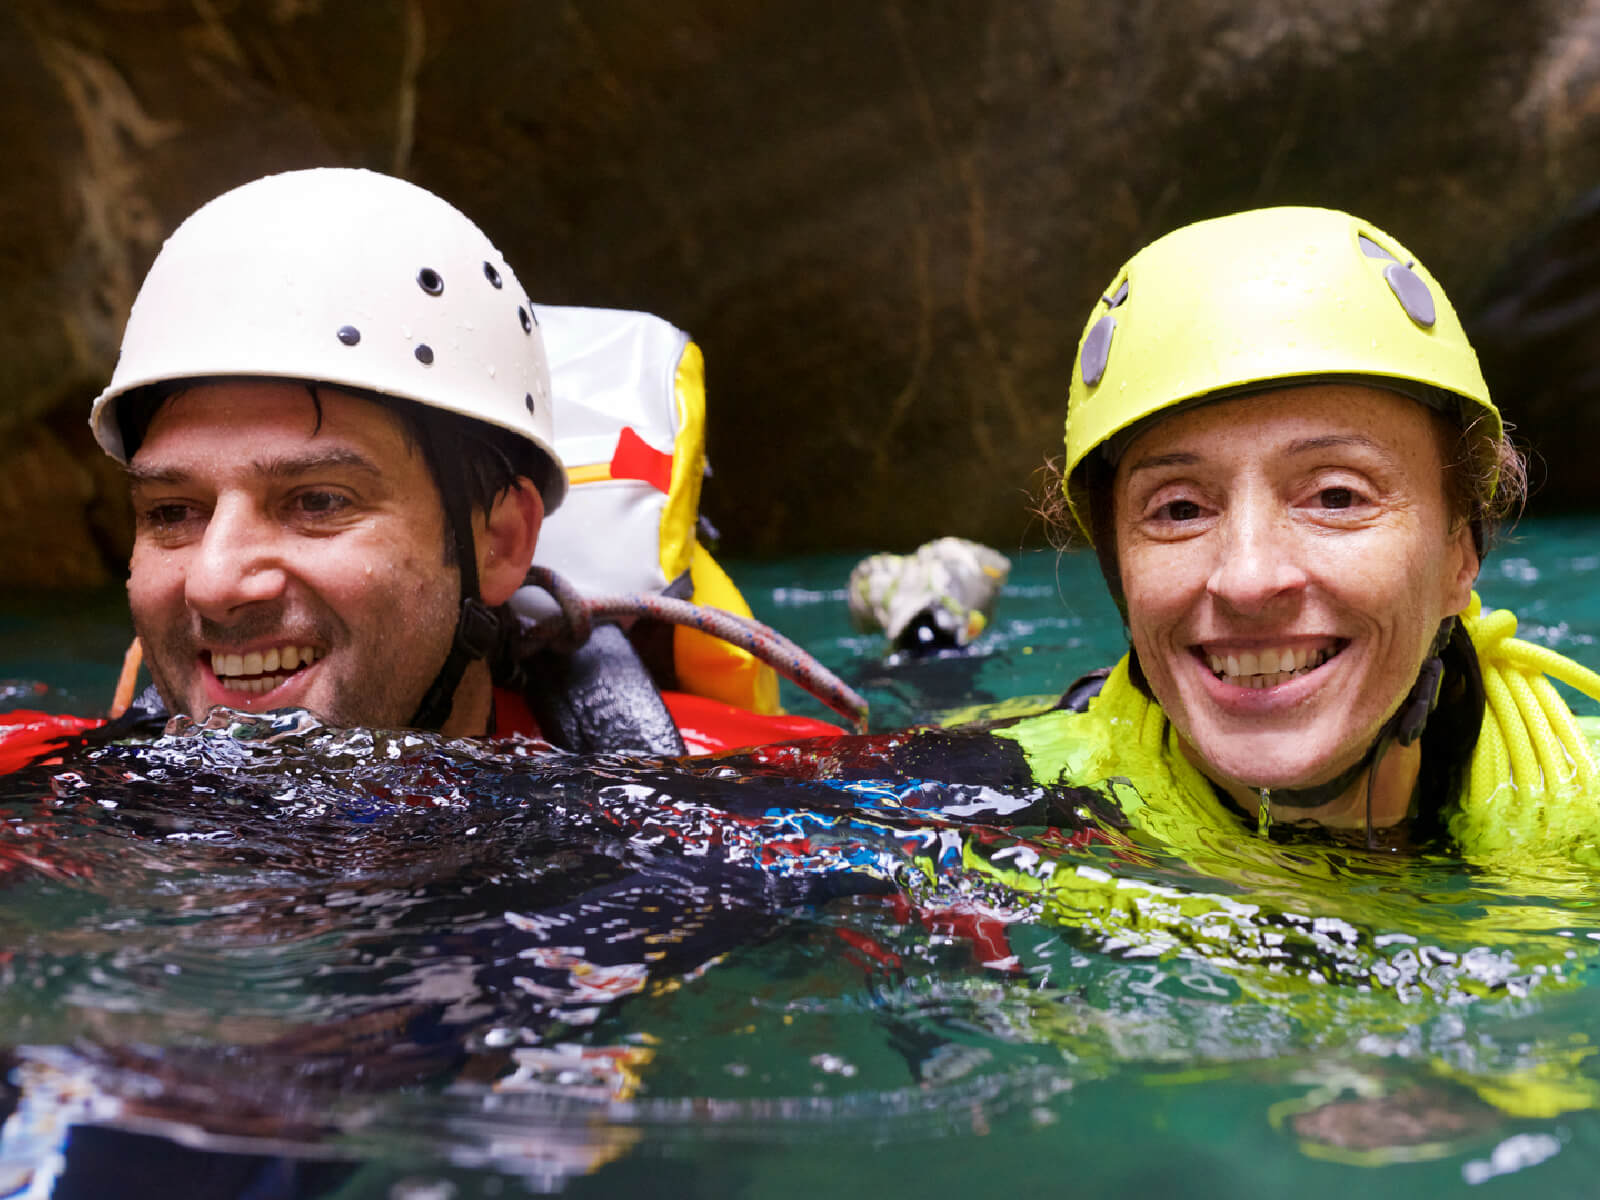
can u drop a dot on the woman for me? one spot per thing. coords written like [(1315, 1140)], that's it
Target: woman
[(1282, 449)]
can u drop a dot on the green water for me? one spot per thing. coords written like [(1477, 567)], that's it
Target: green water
[(856, 1050)]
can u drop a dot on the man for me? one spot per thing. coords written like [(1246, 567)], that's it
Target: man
[(334, 407), (333, 403)]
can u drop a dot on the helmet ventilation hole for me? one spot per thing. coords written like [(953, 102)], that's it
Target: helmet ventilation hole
[(528, 400), (1412, 292), (1371, 248), (430, 281), (1097, 350), (491, 274), (527, 321), (348, 334), (424, 353)]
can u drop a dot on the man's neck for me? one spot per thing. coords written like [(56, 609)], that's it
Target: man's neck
[(469, 711)]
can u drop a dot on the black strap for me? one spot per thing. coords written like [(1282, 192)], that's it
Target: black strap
[(1083, 689), (478, 630), (478, 634), (1423, 698)]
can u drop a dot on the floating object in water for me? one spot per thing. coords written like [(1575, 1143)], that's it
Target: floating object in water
[(939, 598)]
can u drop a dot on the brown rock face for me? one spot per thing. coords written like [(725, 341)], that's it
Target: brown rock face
[(885, 221)]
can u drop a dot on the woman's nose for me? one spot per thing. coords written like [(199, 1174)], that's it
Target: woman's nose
[(234, 563), (1259, 560)]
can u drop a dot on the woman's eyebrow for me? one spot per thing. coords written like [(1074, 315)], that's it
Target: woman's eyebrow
[(1310, 445), (1178, 458), (1331, 441)]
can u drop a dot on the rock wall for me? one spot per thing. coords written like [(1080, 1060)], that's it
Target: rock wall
[(884, 220)]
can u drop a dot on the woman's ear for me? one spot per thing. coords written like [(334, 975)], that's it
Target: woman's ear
[(506, 539), (1462, 568)]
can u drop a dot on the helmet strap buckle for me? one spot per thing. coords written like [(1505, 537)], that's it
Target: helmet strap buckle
[(477, 630), (478, 635)]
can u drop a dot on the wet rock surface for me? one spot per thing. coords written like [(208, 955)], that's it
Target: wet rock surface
[(884, 222)]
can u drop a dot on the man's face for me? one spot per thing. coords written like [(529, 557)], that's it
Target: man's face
[(281, 560)]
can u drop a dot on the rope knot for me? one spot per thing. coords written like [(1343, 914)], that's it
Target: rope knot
[(1529, 736), (1490, 631), (571, 628)]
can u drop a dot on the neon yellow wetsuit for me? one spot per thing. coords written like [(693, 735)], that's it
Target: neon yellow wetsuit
[(1282, 920), (1533, 784)]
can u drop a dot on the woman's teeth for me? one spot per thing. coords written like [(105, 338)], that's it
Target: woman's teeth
[(261, 671), (1265, 668)]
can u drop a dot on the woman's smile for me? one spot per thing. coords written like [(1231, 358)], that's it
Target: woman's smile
[(1266, 666), (1242, 687)]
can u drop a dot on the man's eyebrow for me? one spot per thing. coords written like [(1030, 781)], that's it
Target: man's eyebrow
[(148, 476), (333, 458), (283, 467)]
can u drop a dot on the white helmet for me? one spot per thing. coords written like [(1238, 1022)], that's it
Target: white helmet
[(344, 277)]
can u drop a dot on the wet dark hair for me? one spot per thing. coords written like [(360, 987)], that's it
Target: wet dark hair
[(1485, 480), (468, 460)]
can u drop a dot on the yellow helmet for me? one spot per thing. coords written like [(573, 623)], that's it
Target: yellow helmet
[(1268, 297)]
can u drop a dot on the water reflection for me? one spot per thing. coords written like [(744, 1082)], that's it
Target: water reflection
[(313, 948)]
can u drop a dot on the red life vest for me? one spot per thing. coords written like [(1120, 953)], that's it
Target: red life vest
[(26, 735), (708, 726)]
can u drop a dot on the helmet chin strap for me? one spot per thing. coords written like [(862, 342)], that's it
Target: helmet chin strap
[(478, 630), (1404, 728)]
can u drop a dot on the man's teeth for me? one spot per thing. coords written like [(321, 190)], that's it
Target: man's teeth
[(1265, 668), (261, 671)]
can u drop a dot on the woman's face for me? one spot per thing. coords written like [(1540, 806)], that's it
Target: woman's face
[(1287, 559)]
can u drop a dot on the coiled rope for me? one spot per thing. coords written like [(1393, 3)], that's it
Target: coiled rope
[(570, 628), (1529, 737)]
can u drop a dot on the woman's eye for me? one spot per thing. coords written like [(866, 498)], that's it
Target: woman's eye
[(1179, 510)]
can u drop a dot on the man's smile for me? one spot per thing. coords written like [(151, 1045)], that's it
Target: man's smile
[(258, 671)]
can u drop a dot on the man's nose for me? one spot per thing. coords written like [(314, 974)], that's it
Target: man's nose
[(1260, 560), (235, 563)]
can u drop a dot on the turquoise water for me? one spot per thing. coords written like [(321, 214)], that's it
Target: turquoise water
[(277, 941)]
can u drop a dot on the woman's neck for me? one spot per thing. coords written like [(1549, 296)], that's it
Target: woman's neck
[(1394, 783)]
